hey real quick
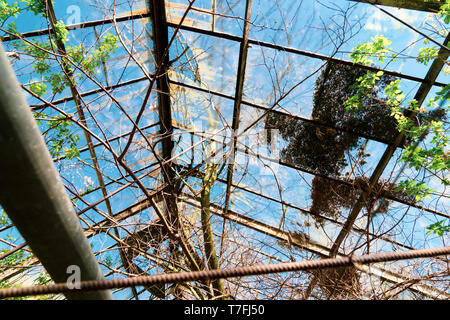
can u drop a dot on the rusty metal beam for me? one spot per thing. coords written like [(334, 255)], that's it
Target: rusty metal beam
[(320, 250), (240, 78), (384, 194), (305, 53), (161, 42), (228, 37), (307, 212), (93, 230), (91, 92), (82, 25), (282, 113), (421, 5)]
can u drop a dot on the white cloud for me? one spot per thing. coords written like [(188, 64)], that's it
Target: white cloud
[(407, 16), (378, 21), (375, 22)]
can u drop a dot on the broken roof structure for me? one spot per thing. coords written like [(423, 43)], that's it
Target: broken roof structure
[(210, 135)]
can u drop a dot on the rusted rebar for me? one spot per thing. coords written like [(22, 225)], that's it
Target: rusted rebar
[(228, 273)]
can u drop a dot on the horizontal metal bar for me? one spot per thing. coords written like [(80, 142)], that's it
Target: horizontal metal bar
[(89, 93), (316, 248), (282, 113), (75, 26), (311, 172), (358, 262), (228, 36), (420, 5)]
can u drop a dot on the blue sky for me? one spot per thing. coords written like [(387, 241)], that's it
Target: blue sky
[(307, 25)]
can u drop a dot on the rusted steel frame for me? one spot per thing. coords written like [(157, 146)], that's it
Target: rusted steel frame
[(88, 93), (124, 186), (161, 50), (315, 248), (228, 36), (161, 42), (97, 228), (12, 251), (122, 215), (16, 270), (304, 211), (420, 96), (157, 197), (114, 181), (307, 212), (129, 239), (161, 46), (282, 113), (154, 233), (195, 262), (159, 29), (145, 204), (384, 194), (75, 26), (174, 236), (420, 5), (62, 50), (6, 227), (157, 260), (110, 140), (240, 79), (33, 194), (355, 262), (134, 175), (107, 146)]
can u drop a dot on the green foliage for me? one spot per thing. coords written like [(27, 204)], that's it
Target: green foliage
[(12, 259), (42, 279), (394, 94), (107, 45), (8, 10), (39, 88), (58, 82), (40, 52), (89, 62), (4, 220), (438, 228), (58, 133), (61, 32), (378, 48), (63, 141), (412, 121), (38, 7), (444, 13), (108, 261), (412, 187), (442, 96), (426, 54), (363, 86)]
